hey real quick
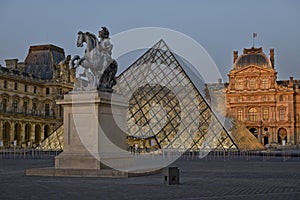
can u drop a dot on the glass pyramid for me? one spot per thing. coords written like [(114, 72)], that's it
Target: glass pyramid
[(166, 109), (55, 141)]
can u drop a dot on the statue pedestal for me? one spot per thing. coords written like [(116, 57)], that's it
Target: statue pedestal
[(94, 143)]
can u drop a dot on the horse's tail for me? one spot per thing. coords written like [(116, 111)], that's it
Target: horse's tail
[(72, 62)]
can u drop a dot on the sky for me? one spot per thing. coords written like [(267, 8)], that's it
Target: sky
[(219, 26)]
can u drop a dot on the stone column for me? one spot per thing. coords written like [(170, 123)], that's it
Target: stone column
[(12, 134), (42, 133), (22, 134), (272, 139), (32, 133), (275, 135), (1, 130), (260, 133)]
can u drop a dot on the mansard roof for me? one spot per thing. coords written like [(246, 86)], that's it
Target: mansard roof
[(41, 60)]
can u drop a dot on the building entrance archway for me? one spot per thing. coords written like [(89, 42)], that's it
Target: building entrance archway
[(266, 140), (37, 134), (282, 136), (254, 131), (46, 131), (266, 136), (17, 133), (27, 132), (6, 134)]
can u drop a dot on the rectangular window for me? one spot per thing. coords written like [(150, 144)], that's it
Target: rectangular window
[(281, 114), (34, 108), (47, 109), (252, 84), (16, 86), (25, 105), (240, 114), (25, 88), (264, 83), (34, 89), (252, 117), (239, 84), (265, 113), (15, 105), (47, 91), (5, 84), (264, 98), (4, 105)]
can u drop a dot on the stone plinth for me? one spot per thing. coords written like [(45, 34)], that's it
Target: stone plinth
[(93, 136), (93, 131)]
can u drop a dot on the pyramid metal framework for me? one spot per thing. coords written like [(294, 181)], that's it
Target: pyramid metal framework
[(55, 141), (166, 110)]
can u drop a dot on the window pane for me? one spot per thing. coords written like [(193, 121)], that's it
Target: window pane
[(252, 114)]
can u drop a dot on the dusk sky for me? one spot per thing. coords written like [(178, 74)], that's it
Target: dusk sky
[(219, 26)]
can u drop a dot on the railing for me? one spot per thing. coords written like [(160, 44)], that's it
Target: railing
[(26, 153), (222, 154), (37, 114)]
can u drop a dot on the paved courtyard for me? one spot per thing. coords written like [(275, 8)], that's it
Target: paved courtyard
[(209, 178)]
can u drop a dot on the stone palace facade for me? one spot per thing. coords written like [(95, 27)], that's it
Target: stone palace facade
[(28, 91), (268, 107)]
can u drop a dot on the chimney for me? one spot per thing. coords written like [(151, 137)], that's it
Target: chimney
[(291, 82), (272, 57), (11, 63), (235, 56)]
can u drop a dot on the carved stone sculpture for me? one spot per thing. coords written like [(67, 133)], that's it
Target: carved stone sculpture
[(64, 73), (99, 69)]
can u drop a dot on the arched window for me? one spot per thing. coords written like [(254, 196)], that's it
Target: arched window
[(27, 132), (46, 131), (254, 132), (17, 133), (37, 134), (252, 114), (282, 136), (6, 135)]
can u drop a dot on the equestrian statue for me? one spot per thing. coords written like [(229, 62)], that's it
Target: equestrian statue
[(99, 69)]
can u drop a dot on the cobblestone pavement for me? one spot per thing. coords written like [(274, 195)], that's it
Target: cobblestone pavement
[(209, 178)]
